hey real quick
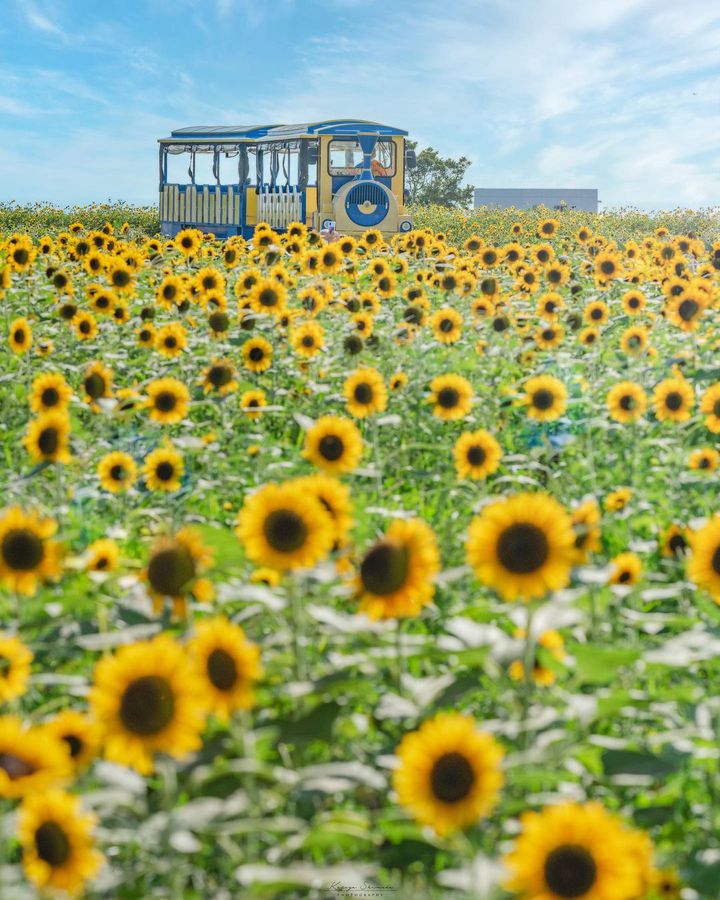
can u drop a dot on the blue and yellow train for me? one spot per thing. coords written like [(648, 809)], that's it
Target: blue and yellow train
[(341, 175)]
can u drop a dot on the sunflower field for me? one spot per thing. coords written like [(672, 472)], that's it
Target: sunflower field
[(373, 568)]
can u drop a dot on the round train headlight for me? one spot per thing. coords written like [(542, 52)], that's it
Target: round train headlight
[(367, 203), (327, 224), (406, 225)]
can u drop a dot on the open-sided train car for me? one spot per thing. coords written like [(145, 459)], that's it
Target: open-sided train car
[(342, 174)]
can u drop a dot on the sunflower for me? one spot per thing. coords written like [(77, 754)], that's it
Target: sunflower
[(634, 340), (633, 302), (585, 520), (220, 378), (188, 241), (50, 392), (675, 541), (577, 851), (15, 661), (58, 852), (626, 402), (365, 393), (171, 340), (549, 336), (596, 313), (227, 663), (398, 381), (147, 699), (477, 455), (284, 527), (20, 339), (27, 553), (252, 403), (174, 568), (395, 578), (522, 546), (97, 381), (78, 734), (268, 577), (589, 336), (550, 304), (704, 459), (673, 400), (29, 761), (334, 496), (446, 324), (685, 310), (710, 407), (333, 444), (307, 339), (626, 569), (547, 228), (163, 469), (84, 325), (451, 396), (449, 773), (618, 499), (117, 472), (607, 266), (219, 324), (268, 296), (545, 398), (168, 400), (550, 643), (102, 556), (47, 437), (257, 354)]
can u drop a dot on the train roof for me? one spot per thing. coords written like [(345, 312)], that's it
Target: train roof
[(280, 132)]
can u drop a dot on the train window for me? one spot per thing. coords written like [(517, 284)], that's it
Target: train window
[(345, 158)]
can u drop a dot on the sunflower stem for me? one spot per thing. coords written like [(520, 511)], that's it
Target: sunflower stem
[(398, 655), (527, 683), (296, 626), (378, 460)]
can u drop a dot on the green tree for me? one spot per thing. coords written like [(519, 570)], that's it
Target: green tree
[(438, 180)]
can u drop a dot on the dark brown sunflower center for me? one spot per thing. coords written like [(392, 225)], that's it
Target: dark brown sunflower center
[(256, 354), (285, 530), (165, 471), (219, 321), (22, 550), (633, 302), (117, 472), (543, 399), (222, 670), (446, 326), (15, 766), (74, 743), (448, 397), (607, 267), (451, 777), (500, 324), (716, 561), (331, 447), (147, 705), (674, 401), (52, 844), (219, 376), (677, 545), (19, 336), (21, 256), (628, 402), (165, 401), (309, 341), (476, 455), (268, 297), (596, 314), (523, 548), (50, 397), (687, 310), (48, 441), (385, 568), (171, 342), (121, 278), (363, 393), (570, 871), (94, 386), (170, 569)]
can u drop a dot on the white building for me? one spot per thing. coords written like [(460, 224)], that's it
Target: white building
[(527, 198)]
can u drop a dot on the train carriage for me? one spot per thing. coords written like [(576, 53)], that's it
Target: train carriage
[(343, 174)]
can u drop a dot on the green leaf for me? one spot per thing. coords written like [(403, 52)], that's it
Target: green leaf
[(598, 665), (642, 762)]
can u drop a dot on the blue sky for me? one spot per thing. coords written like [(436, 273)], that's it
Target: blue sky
[(621, 95)]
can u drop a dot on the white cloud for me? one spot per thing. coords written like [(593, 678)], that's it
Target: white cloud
[(40, 21)]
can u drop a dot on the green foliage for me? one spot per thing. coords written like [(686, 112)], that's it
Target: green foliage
[(438, 181)]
